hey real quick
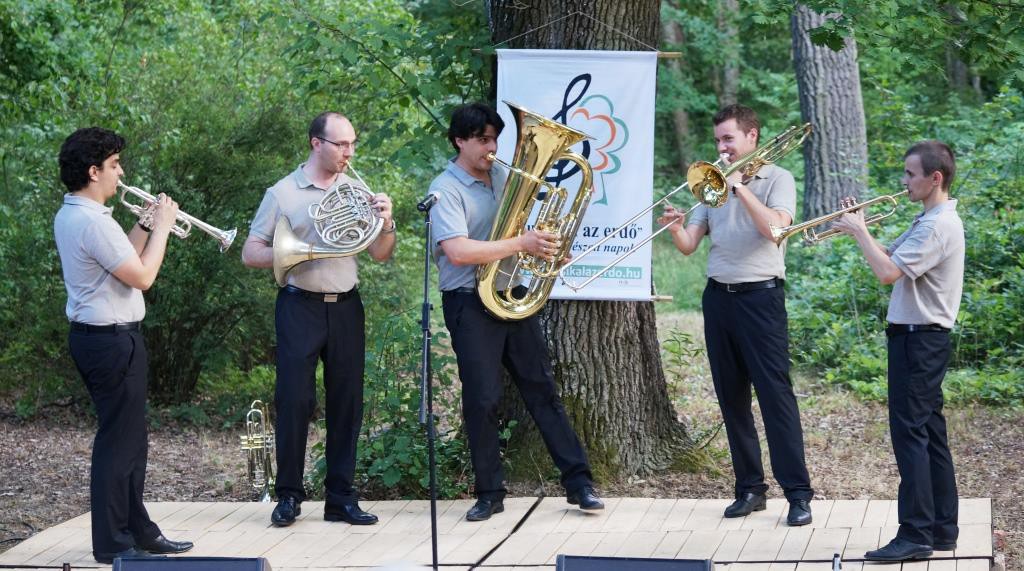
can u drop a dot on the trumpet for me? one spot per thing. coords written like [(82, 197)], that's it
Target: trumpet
[(258, 447), (706, 181), (185, 222), (780, 235)]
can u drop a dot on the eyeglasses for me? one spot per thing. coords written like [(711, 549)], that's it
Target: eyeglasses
[(344, 145)]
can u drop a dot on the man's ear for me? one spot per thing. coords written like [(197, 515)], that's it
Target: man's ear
[(94, 173)]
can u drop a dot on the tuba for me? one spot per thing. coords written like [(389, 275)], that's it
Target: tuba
[(258, 446), (540, 142), (185, 221), (344, 219), (706, 182)]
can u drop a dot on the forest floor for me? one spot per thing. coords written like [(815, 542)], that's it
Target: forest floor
[(44, 474)]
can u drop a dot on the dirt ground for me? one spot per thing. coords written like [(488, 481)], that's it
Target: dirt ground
[(44, 474)]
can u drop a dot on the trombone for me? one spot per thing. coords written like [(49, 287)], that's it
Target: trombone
[(780, 235), (706, 182), (185, 222)]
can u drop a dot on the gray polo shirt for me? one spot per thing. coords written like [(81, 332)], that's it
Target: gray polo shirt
[(91, 246), (291, 197), (465, 207), (931, 256), (739, 253)]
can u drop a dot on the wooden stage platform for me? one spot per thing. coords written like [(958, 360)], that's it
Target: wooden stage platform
[(531, 533)]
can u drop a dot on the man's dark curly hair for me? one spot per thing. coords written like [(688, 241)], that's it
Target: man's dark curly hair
[(86, 148), (471, 120)]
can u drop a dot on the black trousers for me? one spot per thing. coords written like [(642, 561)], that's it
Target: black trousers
[(927, 493), (482, 346), (748, 345), (308, 331), (114, 368)]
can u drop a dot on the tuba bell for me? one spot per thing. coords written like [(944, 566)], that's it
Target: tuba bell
[(540, 142), (258, 446), (343, 219)]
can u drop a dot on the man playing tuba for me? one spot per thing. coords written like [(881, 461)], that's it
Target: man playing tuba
[(318, 316), (468, 194)]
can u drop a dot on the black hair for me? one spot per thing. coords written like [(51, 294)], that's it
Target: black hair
[(935, 156), (83, 149), (746, 118), (318, 126), (471, 120)]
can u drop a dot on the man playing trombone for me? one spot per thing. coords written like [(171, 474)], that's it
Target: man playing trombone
[(745, 322), (318, 315), (926, 266), (105, 272)]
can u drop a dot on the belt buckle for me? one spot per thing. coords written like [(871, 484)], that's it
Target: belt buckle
[(728, 288), (330, 297)]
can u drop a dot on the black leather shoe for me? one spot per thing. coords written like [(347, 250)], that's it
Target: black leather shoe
[(586, 498), (799, 513), (287, 510), (899, 550), (944, 546), (133, 552), (748, 502), (349, 513), (163, 545), (483, 509)]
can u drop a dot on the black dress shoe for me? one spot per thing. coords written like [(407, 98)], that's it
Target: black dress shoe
[(748, 502), (899, 550), (586, 498), (349, 513), (163, 545), (287, 510), (483, 509), (133, 552), (799, 513)]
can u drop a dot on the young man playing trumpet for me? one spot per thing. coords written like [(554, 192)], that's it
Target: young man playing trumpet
[(745, 321), (105, 272), (926, 266)]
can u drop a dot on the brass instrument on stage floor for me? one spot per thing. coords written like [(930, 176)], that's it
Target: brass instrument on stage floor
[(540, 142), (706, 182), (185, 222), (780, 235), (344, 219), (258, 446)]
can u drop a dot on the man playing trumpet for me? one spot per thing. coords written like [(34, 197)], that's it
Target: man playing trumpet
[(318, 316), (105, 272), (745, 321), (926, 266)]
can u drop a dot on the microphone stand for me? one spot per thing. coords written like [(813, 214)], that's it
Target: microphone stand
[(426, 383)]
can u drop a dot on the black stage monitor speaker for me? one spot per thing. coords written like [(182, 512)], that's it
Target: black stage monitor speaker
[(191, 564), (580, 563)]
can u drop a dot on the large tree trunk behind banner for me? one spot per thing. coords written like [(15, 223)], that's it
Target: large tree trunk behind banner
[(836, 153), (606, 354)]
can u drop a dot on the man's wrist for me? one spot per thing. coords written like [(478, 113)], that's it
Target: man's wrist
[(143, 227), (390, 230)]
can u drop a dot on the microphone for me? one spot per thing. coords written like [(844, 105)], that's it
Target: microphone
[(427, 203)]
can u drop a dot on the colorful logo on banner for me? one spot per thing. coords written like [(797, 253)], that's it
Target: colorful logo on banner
[(595, 116)]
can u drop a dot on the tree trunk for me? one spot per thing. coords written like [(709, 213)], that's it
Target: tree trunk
[(835, 155), (728, 10), (680, 118), (605, 354)]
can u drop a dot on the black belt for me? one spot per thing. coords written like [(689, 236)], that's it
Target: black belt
[(113, 328), (900, 329), (470, 290), (746, 286), (320, 296)]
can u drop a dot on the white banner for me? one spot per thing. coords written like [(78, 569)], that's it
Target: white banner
[(609, 96)]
